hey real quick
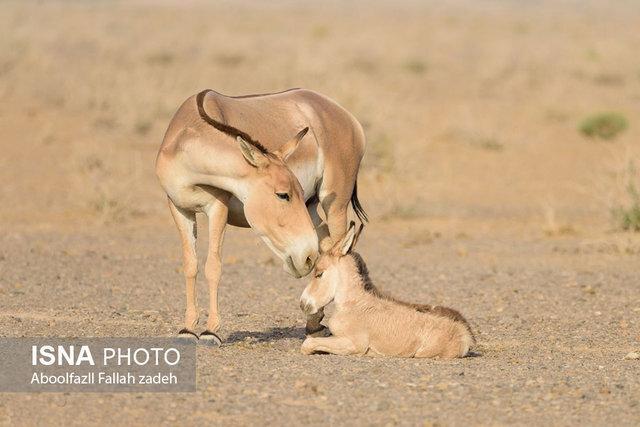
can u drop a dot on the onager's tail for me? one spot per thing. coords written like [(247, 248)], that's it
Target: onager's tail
[(357, 207)]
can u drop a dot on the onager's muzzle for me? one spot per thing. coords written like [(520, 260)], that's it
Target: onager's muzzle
[(301, 263)]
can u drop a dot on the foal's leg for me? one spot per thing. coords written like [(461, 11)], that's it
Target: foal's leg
[(333, 345), (313, 326), (186, 223), (217, 213)]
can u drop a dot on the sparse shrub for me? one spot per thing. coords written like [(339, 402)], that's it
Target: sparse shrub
[(558, 116), (108, 195), (364, 65), (609, 79), (629, 218), (404, 211), (521, 28), (320, 32), (415, 66), (105, 123), (627, 215), (604, 125), (490, 144), (142, 127), (592, 55), (475, 139), (380, 153), (160, 58), (229, 59)]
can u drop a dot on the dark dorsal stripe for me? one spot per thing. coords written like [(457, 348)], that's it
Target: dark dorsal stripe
[(440, 311), (223, 127), (260, 95)]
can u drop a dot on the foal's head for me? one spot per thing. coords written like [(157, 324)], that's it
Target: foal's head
[(329, 272)]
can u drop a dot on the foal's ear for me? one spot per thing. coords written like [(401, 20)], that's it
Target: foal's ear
[(348, 241), (290, 146), (252, 154), (357, 236)]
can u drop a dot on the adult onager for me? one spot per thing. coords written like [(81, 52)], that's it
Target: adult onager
[(367, 320), (308, 153)]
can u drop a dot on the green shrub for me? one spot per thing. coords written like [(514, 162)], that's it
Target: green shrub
[(628, 217), (603, 125)]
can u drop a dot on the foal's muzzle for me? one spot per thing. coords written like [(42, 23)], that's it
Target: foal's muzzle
[(307, 308)]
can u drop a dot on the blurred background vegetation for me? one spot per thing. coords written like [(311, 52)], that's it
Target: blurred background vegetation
[(500, 113)]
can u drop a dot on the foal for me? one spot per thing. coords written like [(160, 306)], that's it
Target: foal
[(367, 320)]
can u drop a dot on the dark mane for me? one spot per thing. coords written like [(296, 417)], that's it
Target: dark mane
[(369, 287), (363, 272), (223, 127)]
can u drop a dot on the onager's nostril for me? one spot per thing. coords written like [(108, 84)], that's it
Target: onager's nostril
[(309, 263)]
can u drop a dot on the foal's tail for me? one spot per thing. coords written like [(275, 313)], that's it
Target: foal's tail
[(357, 207)]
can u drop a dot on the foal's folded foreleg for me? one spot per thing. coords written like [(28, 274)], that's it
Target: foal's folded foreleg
[(334, 345), (313, 326)]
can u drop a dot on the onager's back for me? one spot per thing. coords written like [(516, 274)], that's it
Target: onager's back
[(367, 320)]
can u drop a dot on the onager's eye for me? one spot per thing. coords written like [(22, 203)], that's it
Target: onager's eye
[(283, 196), (319, 274)]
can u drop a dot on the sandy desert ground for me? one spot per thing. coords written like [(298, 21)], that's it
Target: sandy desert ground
[(483, 193)]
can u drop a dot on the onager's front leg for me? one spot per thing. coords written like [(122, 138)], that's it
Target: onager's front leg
[(217, 213), (334, 345), (186, 223), (313, 326)]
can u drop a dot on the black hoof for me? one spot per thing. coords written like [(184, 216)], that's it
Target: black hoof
[(210, 339), (322, 331), (187, 335)]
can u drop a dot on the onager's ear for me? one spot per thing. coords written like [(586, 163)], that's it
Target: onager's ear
[(345, 245), (252, 154), (290, 146)]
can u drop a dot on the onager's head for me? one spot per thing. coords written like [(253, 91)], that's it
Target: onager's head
[(329, 273), (275, 206)]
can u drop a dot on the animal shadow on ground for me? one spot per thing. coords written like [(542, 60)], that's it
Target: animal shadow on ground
[(272, 334)]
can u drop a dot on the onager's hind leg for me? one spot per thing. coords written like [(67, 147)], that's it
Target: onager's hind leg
[(313, 326), (217, 213), (186, 223), (334, 345)]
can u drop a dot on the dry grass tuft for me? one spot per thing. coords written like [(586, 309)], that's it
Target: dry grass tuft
[(552, 228)]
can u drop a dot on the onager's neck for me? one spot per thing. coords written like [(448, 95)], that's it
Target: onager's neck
[(232, 174)]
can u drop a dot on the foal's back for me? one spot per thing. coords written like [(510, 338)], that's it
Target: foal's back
[(398, 328)]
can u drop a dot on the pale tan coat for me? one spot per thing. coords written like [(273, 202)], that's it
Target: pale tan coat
[(366, 321), (259, 161)]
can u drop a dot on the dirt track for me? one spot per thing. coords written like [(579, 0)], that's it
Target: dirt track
[(554, 319)]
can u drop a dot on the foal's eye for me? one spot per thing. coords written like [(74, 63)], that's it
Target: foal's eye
[(319, 275), (283, 196)]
